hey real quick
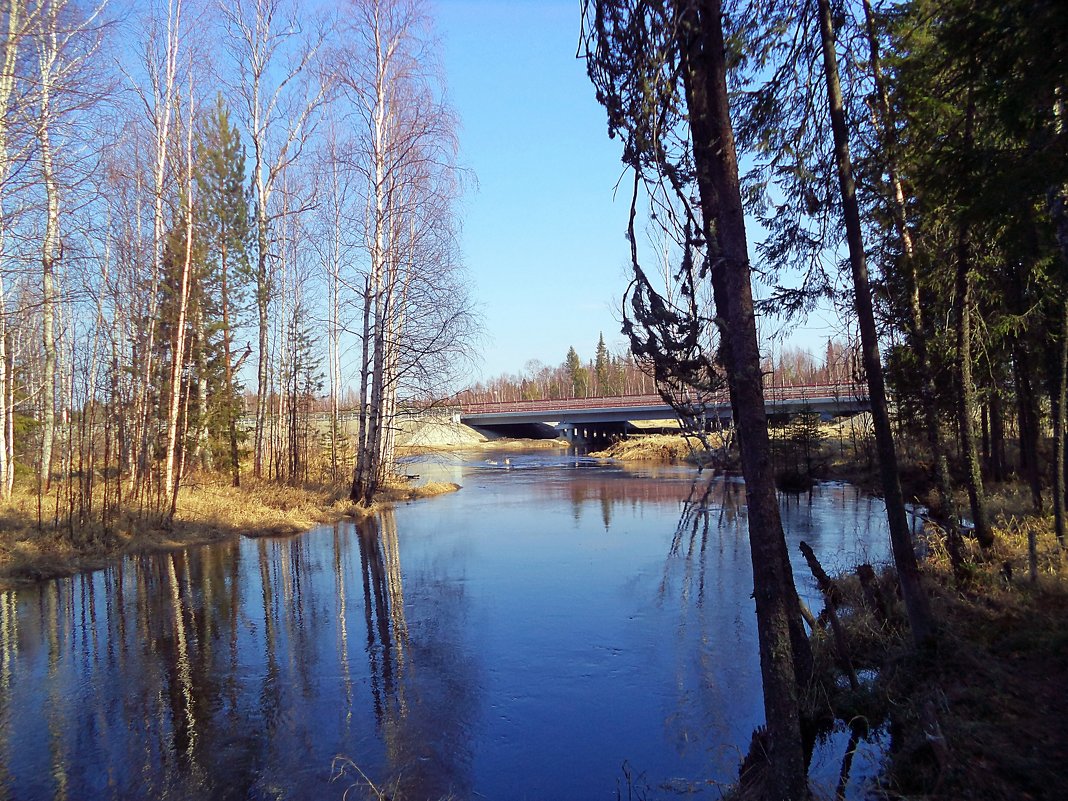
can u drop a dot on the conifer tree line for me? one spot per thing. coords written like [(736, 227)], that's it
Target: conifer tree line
[(907, 160), (609, 374), (216, 217)]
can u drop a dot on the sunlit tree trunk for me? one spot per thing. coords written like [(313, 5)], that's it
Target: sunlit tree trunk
[(50, 247), (159, 98), (228, 370), (9, 420), (202, 450), (8, 57), (178, 352), (1058, 211), (5, 449), (966, 405), (280, 98), (946, 513)]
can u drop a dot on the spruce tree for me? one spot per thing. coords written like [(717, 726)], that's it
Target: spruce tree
[(225, 230)]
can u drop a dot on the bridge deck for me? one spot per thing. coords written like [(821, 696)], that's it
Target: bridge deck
[(826, 399)]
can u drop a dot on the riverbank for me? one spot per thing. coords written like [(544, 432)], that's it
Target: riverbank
[(431, 436), (654, 448), (982, 714), (209, 510)]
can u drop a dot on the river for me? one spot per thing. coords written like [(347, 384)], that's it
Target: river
[(560, 628)]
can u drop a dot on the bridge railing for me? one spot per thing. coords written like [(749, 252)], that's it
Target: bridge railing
[(772, 394)]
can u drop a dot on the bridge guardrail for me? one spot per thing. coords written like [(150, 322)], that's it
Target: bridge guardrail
[(771, 394)]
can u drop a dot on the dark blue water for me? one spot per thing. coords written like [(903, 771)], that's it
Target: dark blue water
[(558, 629)]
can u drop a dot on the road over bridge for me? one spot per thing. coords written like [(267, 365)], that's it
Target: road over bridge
[(570, 417)]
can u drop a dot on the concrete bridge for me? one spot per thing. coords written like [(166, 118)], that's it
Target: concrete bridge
[(579, 418)]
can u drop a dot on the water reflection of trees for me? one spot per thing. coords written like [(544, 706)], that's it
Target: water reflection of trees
[(232, 672), (422, 680), (609, 491), (706, 576)]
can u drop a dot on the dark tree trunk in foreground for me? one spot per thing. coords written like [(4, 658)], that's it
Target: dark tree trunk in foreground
[(781, 633), (900, 538), (359, 480)]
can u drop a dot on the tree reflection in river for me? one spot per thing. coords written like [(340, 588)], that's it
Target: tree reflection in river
[(226, 672), (534, 630), (421, 684)]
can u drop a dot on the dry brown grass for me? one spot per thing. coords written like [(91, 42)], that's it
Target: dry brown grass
[(993, 681), (656, 448), (209, 510)]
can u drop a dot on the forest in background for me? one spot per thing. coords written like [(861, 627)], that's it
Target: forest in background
[(198, 201), (608, 374)]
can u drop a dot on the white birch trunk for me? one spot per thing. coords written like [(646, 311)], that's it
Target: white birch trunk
[(5, 464), (178, 357), (7, 85), (46, 60)]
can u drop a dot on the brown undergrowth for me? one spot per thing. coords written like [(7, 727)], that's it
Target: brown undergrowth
[(982, 714), (35, 546)]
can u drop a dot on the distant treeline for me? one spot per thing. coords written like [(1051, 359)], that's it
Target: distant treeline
[(608, 374)]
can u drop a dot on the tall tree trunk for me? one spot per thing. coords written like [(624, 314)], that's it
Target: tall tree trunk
[(1057, 401), (916, 603), (997, 438), (360, 477), (946, 514), (202, 451), (4, 464), (50, 250), (1027, 416), (178, 353), (334, 332), (1058, 211), (7, 85), (777, 608), (966, 402), (9, 420), (376, 408), (231, 397), (263, 290)]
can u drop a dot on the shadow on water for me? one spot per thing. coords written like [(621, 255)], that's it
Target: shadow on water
[(712, 509)]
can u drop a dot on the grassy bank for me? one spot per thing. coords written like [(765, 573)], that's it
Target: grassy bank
[(34, 547), (982, 714)]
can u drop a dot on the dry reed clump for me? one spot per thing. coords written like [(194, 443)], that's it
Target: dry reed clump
[(657, 448), (257, 508)]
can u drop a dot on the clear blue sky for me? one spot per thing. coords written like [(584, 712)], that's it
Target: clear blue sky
[(544, 232)]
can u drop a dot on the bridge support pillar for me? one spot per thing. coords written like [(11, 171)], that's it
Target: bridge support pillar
[(570, 432)]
